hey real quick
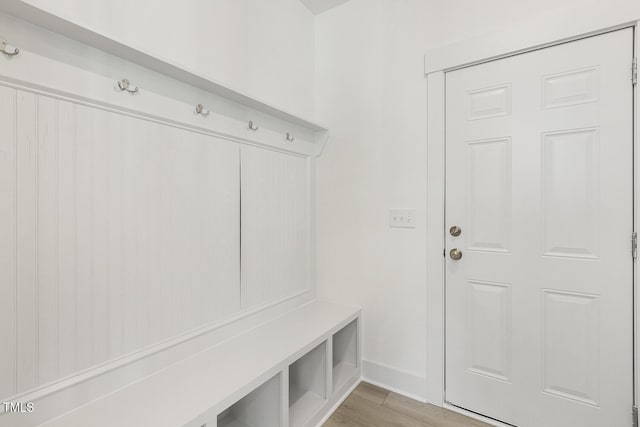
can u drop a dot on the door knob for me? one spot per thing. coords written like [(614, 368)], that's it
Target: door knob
[(455, 231), (455, 254)]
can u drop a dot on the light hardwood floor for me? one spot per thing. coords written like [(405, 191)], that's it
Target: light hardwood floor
[(369, 406)]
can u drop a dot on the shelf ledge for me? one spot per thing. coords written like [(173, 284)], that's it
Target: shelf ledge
[(152, 61)]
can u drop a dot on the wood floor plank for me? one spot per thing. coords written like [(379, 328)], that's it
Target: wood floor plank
[(372, 414), (372, 406), (439, 417), (371, 392), (341, 418)]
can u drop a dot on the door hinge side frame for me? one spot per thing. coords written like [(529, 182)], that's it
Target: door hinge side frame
[(634, 71), (634, 411), (634, 245)]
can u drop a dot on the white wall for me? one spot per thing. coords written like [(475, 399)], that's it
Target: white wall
[(371, 92), (263, 48)]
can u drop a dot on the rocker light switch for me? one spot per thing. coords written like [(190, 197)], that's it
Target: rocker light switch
[(402, 218)]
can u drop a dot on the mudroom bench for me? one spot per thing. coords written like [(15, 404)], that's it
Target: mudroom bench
[(290, 371)]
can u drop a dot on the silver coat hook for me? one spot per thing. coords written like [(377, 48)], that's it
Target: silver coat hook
[(3, 49), (125, 85), (200, 110), (289, 137), (253, 126)]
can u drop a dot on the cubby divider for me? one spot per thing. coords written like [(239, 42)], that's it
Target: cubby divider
[(345, 354)]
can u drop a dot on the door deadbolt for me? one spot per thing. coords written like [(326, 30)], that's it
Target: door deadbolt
[(455, 254), (455, 231)]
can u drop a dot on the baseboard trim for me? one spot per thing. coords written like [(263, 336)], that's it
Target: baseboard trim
[(396, 380)]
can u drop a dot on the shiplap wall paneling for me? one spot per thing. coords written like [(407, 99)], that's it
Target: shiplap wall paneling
[(47, 239), (26, 245), (67, 239), (84, 238), (116, 233), (8, 384), (275, 225)]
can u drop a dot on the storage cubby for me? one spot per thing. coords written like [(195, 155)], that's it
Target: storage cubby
[(307, 385), (345, 354), (260, 408)]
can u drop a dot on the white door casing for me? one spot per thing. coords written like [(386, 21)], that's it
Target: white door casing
[(539, 177)]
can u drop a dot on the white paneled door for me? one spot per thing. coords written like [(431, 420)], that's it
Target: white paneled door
[(539, 176)]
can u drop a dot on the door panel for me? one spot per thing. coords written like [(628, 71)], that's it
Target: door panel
[(570, 193), (489, 327), (489, 194), (539, 178)]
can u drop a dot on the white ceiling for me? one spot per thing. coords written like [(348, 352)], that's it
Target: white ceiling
[(319, 6)]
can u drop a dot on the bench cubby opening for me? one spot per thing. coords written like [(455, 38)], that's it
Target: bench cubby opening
[(260, 408), (307, 385)]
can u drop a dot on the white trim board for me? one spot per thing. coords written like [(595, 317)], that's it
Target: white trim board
[(526, 36), (393, 379), (636, 223), (435, 229), (536, 32), (88, 74)]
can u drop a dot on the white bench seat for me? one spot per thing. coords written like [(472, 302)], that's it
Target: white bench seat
[(193, 391)]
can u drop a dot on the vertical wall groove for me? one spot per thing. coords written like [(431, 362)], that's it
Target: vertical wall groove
[(122, 282), (57, 235), (75, 234), (240, 222), (15, 239), (67, 238), (108, 351), (91, 205), (36, 272)]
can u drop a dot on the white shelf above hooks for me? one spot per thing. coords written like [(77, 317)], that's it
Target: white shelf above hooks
[(157, 63)]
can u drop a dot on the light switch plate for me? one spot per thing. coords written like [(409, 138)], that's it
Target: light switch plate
[(402, 218)]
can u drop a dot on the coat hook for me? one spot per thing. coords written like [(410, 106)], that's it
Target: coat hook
[(3, 49), (124, 85), (289, 137), (200, 110), (253, 126)]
